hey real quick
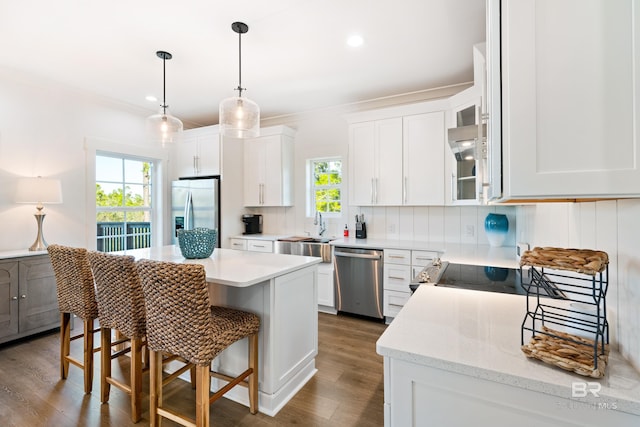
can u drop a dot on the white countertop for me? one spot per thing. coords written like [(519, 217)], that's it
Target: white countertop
[(271, 237), (18, 253), (504, 256), (478, 334), (230, 267)]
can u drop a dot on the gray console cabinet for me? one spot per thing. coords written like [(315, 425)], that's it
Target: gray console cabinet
[(28, 300)]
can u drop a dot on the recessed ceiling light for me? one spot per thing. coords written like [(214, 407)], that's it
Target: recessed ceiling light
[(355, 40), (151, 98)]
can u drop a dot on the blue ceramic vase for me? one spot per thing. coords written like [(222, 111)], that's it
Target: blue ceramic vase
[(496, 226)]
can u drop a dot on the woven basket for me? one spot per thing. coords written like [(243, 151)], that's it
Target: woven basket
[(197, 243)]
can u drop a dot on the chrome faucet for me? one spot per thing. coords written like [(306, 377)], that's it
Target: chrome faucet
[(322, 226)]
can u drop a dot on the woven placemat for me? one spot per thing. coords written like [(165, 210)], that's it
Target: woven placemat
[(567, 355), (584, 261)]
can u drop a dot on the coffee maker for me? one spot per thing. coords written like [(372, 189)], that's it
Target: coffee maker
[(252, 223)]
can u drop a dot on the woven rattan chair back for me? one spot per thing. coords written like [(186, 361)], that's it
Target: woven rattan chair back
[(120, 308), (178, 312), (74, 281), (119, 293), (76, 296)]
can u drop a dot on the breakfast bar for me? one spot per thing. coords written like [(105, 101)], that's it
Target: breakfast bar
[(282, 290)]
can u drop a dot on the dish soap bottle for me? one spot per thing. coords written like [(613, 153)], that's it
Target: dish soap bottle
[(346, 231)]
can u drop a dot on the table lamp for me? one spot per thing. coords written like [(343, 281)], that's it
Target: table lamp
[(38, 191)]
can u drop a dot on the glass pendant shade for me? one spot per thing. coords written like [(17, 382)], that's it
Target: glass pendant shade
[(163, 128), (239, 118)]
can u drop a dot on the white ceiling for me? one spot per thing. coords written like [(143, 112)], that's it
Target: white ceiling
[(294, 57)]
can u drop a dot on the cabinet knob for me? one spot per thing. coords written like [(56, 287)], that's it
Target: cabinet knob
[(23, 296), (14, 298)]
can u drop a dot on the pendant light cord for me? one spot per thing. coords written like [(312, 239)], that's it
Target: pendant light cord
[(164, 85), (240, 88)]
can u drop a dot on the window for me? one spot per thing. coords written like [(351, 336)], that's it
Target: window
[(123, 202), (326, 186)]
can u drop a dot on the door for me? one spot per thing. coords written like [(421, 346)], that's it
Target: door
[(423, 152), (8, 298), (195, 203), (361, 163), (388, 180), (570, 100), (38, 296)]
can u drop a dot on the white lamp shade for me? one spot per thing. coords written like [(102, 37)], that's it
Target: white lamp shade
[(38, 191), (239, 118), (163, 128)]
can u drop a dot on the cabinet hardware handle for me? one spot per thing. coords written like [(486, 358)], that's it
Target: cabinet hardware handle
[(453, 188), (23, 296), (396, 277), (395, 305), (14, 298), (376, 191), (371, 190), (424, 258), (397, 256), (404, 191)]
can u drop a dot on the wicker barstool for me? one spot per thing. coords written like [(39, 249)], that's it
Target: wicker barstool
[(180, 321), (120, 308), (76, 295)]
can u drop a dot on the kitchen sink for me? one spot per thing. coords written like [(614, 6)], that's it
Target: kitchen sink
[(307, 246)]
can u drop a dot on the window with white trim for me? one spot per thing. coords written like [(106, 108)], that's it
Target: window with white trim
[(325, 178), (123, 202)]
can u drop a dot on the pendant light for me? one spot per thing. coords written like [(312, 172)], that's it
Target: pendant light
[(163, 127), (239, 117)]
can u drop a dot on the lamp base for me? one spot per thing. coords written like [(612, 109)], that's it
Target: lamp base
[(39, 244)]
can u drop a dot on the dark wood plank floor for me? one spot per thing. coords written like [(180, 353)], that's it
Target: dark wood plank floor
[(347, 390)]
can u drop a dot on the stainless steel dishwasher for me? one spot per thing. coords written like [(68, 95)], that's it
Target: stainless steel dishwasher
[(357, 277)]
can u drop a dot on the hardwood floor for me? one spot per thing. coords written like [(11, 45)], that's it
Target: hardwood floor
[(347, 390)]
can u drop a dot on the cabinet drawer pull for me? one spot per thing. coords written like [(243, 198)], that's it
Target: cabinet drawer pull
[(396, 277), (397, 256), (23, 296), (14, 298)]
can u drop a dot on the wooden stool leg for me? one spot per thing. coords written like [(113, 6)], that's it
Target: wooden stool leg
[(105, 363), (192, 374), (253, 378), (136, 379), (202, 395), (155, 387), (65, 343), (88, 355)]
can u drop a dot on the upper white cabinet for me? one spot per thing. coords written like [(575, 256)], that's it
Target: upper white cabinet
[(375, 160), (268, 168), (568, 80), (198, 154), (423, 153), (396, 156)]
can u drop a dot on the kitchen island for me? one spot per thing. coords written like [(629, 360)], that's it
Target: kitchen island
[(282, 290), (452, 357)]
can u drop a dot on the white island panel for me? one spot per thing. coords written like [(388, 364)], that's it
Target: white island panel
[(282, 291)]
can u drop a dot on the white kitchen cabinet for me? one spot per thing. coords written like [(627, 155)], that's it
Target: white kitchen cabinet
[(396, 273), (396, 155), (260, 245), (198, 154), (326, 292), (569, 99), (238, 244), (400, 267), (375, 162), (268, 168), (423, 137)]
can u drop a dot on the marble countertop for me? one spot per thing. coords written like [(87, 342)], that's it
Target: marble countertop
[(478, 334), (230, 267), (504, 256), (21, 253)]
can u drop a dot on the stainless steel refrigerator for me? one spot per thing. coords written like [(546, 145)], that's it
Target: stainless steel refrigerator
[(195, 202)]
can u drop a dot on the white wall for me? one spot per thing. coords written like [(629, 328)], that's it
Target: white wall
[(610, 226), (43, 128)]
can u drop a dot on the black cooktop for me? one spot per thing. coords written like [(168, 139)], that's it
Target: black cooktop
[(483, 278)]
